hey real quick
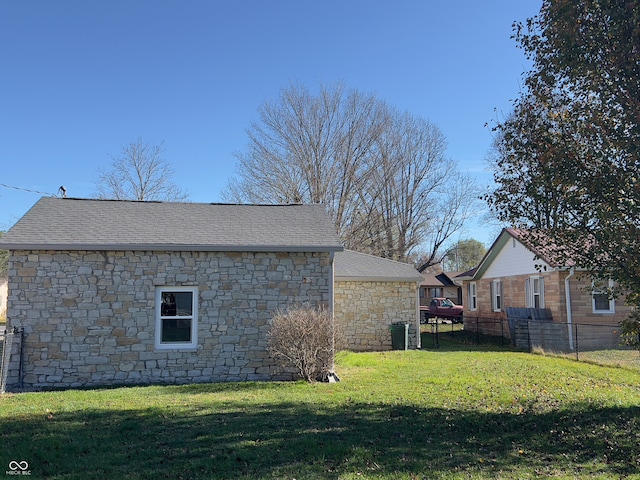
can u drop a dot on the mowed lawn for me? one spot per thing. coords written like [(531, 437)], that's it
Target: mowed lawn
[(451, 413)]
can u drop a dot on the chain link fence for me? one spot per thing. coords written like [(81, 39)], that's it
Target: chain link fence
[(536, 333)]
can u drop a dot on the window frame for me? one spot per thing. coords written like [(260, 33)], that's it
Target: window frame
[(472, 296), (599, 292), (193, 343), (436, 292), (531, 294), (497, 299)]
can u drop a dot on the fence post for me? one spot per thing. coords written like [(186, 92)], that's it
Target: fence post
[(575, 341), (20, 369), (436, 338), (477, 330), (502, 332)]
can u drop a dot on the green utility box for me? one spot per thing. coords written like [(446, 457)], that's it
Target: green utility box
[(399, 336)]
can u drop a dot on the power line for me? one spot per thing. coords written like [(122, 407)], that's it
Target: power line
[(27, 190)]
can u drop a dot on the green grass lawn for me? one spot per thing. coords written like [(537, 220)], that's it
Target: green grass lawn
[(456, 412)]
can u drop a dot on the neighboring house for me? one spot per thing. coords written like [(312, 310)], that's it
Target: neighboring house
[(371, 293), (513, 274), (443, 284), (120, 292)]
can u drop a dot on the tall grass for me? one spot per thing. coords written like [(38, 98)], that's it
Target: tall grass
[(447, 413)]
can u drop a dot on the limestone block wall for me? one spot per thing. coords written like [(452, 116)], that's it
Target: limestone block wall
[(89, 317), (365, 310), (4, 292)]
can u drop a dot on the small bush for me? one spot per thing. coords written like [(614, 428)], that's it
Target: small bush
[(304, 338), (630, 331)]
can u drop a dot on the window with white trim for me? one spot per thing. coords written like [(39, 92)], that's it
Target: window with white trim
[(176, 318), (472, 295), (496, 295), (602, 301), (534, 290)]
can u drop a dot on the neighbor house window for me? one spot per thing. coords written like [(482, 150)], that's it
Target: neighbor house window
[(602, 303), (534, 290), (473, 298), (436, 292), (496, 295), (176, 317)]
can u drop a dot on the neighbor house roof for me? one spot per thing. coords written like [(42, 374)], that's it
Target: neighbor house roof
[(543, 253), (81, 224), (355, 266), (443, 279)]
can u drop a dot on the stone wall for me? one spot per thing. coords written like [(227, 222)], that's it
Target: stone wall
[(89, 317), (4, 292), (365, 310)]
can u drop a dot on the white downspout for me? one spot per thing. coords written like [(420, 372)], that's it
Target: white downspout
[(332, 374), (567, 295)]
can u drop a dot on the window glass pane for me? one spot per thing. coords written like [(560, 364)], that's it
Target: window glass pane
[(184, 303), (601, 301), (536, 286), (176, 330), (168, 307), (177, 304)]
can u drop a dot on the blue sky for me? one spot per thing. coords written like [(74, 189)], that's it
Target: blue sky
[(81, 79)]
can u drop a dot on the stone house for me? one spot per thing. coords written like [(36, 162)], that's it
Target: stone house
[(371, 293), (122, 292), (513, 274), (118, 292)]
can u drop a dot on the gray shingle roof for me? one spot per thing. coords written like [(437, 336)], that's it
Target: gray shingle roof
[(354, 266), (80, 224)]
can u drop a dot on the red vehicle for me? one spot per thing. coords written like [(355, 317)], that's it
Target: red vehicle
[(441, 308)]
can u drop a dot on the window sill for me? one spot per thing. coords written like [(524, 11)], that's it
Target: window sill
[(181, 348)]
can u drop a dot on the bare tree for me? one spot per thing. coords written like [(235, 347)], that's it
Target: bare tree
[(310, 149), (139, 173), (382, 175)]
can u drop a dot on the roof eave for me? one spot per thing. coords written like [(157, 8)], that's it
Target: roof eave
[(347, 278), (170, 247)]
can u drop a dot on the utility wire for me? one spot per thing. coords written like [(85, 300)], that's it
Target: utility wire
[(27, 190)]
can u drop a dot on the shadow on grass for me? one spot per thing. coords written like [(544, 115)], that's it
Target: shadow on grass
[(287, 440), (465, 341)]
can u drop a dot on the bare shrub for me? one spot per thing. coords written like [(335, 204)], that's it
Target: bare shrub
[(304, 338)]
